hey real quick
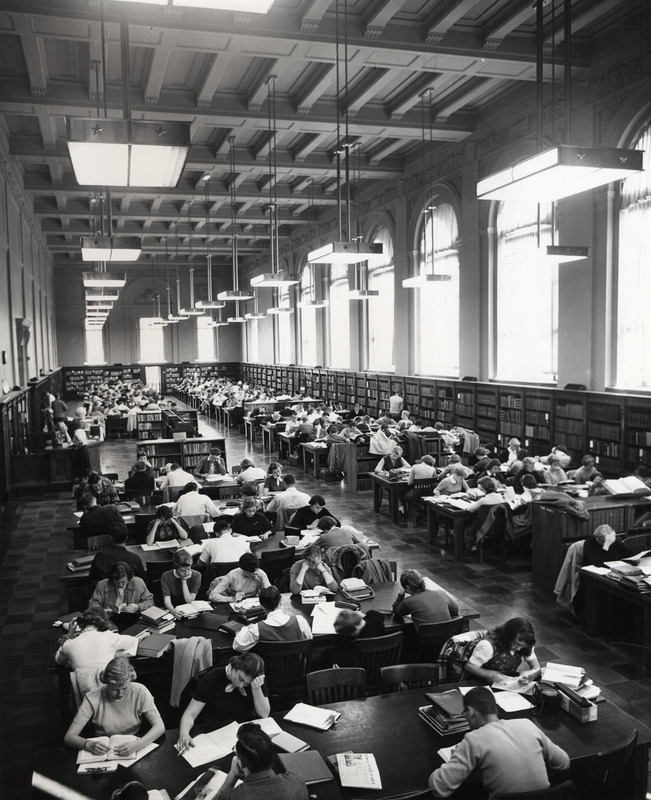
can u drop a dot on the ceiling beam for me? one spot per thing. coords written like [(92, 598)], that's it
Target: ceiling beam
[(446, 15), (158, 67), (377, 23)]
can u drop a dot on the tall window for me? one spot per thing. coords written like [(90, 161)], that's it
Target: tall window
[(527, 343), (380, 309), (634, 276), (205, 339), (339, 310), (308, 319), (252, 347), (94, 345), (437, 337), (284, 333), (152, 341)]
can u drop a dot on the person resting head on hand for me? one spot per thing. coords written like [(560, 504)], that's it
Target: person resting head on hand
[(118, 708), (181, 584), (311, 571), (502, 652), (603, 546)]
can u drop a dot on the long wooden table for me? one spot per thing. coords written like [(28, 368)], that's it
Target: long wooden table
[(456, 516), (394, 490), (315, 456), (388, 726)]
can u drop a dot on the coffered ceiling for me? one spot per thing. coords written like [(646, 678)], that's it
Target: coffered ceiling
[(212, 69)]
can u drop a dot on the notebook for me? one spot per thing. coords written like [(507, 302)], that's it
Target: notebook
[(208, 621), (309, 765)]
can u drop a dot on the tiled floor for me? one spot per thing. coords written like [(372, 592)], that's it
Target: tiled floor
[(34, 543)]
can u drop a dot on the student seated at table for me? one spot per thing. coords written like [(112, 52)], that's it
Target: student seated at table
[(586, 471), (491, 495), (290, 499), (249, 520), (121, 592), (246, 580), (423, 469), (140, 481), (454, 482), (106, 558), (529, 467), (212, 464), (250, 472), (603, 546), (509, 756), (100, 487), (134, 790), (252, 765), (308, 516), (227, 547), (118, 708), (274, 482), (164, 527), (279, 625), (393, 460), (423, 604), (554, 472), (452, 461), (492, 469), (176, 477), (598, 486), (352, 625), (180, 584), (311, 571), (141, 455), (510, 453), (502, 652), (335, 535), (560, 452), (192, 504), (223, 694)]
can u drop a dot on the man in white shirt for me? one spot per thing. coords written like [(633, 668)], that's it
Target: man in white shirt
[(250, 472), (396, 404), (226, 548), (279, 626), (176, 477), (193, 504), (290, 499)]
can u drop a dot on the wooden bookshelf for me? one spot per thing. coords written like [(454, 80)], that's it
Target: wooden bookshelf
[(486, 412), (510, 415), (605, 433), (537, 421), (359, 463), (186, 452)]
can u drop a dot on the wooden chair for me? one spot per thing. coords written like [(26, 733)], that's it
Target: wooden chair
[(94, 543), (496, 531), (562, 791), (285, 667), (211, 571), (433, 635), (335, 685), (373, 654), (112, 476), (607, 775), (153, 575), (402, 677), (421, 488), (173, 493), (274, 562)]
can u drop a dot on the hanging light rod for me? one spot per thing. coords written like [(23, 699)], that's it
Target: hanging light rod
[(344, 253), (122, 152), (110, 248), (246, 6), (110, 280), (560, 172)]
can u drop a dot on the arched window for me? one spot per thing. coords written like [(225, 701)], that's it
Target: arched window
[(339, 310), (252, 347), (308, 318), (526, 305), (380, 310), (634, 276), (437, 333)]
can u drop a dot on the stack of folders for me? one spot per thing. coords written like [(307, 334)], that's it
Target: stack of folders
[(157, 619), (445, 714), (312, 716)]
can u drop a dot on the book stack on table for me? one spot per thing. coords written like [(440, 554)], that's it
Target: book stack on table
[(445, 714), (157, 619)]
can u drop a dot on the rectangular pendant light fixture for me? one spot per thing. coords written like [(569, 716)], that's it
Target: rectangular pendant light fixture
[(236, 319), (363, 294), (280, 278), (279, 310), (418, 281), (206, 305), (235, 294), (111, 248), (560, 172), (94, 305), (101, 295), (123, 152), (562, 253), (245, 6), (110, 280), (312, 304), (252, 315), (345, 253)]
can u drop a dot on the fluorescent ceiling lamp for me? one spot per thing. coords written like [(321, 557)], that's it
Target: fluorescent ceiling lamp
[(173, 319), (345, 253), (273, 279), (111, 248), (312, 304), (560, 172), (102, 295), (562, 253), (236, 319), (186, 313), (247, 6), (121, 152), (145, 2), (236, 294), (183, 315), (363, 294), (217, 323), (418, 281), (252, 315), (279, 310), (110, 280), (209, 305), (94, 306)]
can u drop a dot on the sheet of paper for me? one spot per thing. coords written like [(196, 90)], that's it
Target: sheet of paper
[(597, 570), (269, 726), (511, 701), (323, 618), (211, 746), (512, 685)]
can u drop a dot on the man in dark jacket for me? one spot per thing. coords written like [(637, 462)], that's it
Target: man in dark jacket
[(106, 558), (97, 520), (140, 481)]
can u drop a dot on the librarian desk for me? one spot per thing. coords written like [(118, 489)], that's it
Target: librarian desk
[(53, 465), (315, 455), (405, 748), (554, 529)]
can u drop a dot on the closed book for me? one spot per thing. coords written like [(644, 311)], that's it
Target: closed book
[(208, 620), (231, 627), (289, 744), (83, 561), (309, 765), (155, 645), (449, 703), (153, 614)]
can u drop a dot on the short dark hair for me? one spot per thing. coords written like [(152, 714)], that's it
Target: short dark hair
[(134, 790), (326, 523), (317, 498), (191, 486), (254, 748), (93, 616), (248, 562), (249, 489), (249, 663), (215, 451), (269, 598), (120, 570), (487, 484), (140, 466), (94, 477), (119, 533), (289, 479), (182, 559), (87, 500), (481, 699), (164, 512), (412, 581), (221, 524), (174, 466)]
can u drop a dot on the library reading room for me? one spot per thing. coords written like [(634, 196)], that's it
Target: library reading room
[(325, 392)]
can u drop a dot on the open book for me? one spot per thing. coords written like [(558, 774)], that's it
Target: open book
[(563, 673), (194, 608), (211, 746), (316, 595), (625, 487), (86, 757)]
